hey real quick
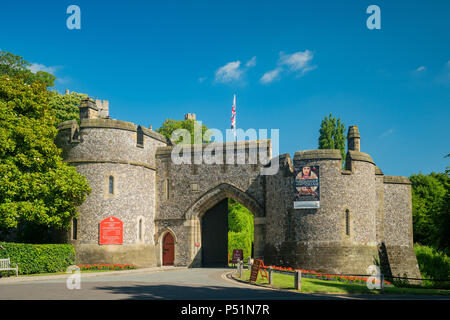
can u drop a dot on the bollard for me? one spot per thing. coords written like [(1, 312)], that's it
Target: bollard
[(270, 275), (298, 280), (240, 267), (249, 263)]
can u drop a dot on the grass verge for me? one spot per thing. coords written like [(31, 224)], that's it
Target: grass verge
[(285, 281)]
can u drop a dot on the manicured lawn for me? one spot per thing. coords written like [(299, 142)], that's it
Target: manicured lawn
[(285, 281)]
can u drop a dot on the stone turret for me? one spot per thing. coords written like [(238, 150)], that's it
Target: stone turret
[(189, 116), (353, 139), (88, 109)]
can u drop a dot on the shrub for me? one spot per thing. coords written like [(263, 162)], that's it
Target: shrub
[(39, 258), (433, 264), (239, 240)]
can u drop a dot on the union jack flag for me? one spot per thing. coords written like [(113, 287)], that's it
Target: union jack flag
[(233, 114)]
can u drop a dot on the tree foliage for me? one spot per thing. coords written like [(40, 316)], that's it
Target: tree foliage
[(15, 66), (430, 204), (35, 184), (65, 106), (332, 134), (240, 228), (169, 126)]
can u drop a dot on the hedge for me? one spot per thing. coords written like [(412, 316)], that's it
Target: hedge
[(240, 240), (433, 264), (39, 258)]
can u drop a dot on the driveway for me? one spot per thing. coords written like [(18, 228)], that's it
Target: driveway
[(159, 284)]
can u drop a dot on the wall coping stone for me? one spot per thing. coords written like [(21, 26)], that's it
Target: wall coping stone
[(396, 180), (113, 124), (359, 156), (318, 154)]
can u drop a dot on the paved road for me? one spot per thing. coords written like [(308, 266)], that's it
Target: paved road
[(180, 284)]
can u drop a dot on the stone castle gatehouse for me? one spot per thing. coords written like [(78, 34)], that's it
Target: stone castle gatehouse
[(174, 214)]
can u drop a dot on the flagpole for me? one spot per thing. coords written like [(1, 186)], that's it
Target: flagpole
[(234, 129)]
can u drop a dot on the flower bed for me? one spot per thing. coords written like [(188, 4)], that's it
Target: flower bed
[(100, 267), (330, 277)]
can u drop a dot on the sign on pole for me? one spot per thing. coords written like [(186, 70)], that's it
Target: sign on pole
[(238, 254)]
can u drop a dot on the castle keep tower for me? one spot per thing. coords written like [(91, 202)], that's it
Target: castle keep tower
[(118, 160)]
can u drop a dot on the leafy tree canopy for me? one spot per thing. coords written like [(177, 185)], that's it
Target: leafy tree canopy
[(169, 126), (15, 66), (430, 204), (66, 105), (35, 184), (332, 135)]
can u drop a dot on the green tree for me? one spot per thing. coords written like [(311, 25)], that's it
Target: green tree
[(35, 184), (169, 126), (430, 205), (332, 135), (240, 228), (66, 105), (15, 66)]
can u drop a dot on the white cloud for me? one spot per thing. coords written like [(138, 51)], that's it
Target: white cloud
[(229, 72), (251, 63), (298, 61), (270, 76), (201, 79), (387, 133), (421, 68), (35, 67)]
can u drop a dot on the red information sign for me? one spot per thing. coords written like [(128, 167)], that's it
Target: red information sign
[(237, 254), (111, 231), (256, 266)]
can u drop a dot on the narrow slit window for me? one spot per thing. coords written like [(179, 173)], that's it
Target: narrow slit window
[(347, 222), (140, 137), (167, 189), (140, 229), (74, 228), (111, 185)]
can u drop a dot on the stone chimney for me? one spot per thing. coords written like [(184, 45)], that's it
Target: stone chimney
[(88, 109), (353, 139), (189, 116)]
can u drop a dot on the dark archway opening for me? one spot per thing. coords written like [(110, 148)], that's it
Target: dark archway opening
[(215, 235), (226, 226)]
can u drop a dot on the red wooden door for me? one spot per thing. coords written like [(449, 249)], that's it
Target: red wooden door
[(168, 250)]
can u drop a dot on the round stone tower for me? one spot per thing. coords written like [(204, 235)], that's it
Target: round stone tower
[(340, 235), (118, 160)]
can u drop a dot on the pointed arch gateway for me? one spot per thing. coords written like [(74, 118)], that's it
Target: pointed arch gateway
[(209, 225)]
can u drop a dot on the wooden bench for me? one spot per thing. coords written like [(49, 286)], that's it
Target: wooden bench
[(5, 265)]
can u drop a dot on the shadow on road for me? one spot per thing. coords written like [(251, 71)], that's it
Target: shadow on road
[(180, 292)]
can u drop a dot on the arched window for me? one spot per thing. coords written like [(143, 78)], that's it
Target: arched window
[(111, 185), (140, 137), (74, 229), (347, 222)]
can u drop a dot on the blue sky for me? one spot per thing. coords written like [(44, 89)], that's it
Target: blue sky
[(290, 63)]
